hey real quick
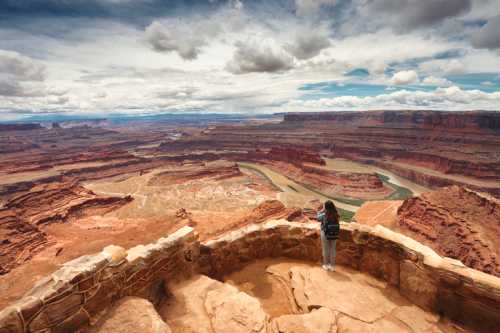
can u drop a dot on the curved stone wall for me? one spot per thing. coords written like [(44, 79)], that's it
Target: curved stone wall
[(438, 284), (83, 289)]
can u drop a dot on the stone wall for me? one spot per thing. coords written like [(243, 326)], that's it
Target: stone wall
[(438, 284), (83, 289)]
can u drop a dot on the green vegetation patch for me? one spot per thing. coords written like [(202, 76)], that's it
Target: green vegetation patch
[(345, 215), (349, 201), (400, 193)]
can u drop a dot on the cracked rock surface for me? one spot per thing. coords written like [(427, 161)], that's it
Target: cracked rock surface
[(274, 296)]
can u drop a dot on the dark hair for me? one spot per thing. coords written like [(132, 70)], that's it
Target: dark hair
[(331, 213)]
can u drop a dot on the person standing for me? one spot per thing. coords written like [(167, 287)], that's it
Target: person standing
[(330, 230)]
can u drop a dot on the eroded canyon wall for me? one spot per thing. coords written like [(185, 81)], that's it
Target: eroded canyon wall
[(457, 223), (23, 216), (425, 119)]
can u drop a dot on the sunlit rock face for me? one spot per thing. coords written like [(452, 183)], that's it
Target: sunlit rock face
[(457, 223), (23, 216), (454, 221)]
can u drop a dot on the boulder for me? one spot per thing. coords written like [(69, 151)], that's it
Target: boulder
[(204, 305), (132, 314)]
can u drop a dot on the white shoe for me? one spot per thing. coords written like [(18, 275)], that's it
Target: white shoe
[(331, 268), (325, 267)]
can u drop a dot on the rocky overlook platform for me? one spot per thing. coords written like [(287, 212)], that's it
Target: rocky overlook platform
[(386, 282)]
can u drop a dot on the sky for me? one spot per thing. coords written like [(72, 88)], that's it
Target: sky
[(137, 57)]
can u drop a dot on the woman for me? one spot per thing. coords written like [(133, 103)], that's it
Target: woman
[(330, 229)]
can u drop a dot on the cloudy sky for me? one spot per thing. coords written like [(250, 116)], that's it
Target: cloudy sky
[(100, 57)]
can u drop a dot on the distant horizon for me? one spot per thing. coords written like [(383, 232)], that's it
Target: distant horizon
[(246, 56), (199, 117)]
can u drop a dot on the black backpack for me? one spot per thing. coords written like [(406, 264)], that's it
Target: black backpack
[(331, 229)]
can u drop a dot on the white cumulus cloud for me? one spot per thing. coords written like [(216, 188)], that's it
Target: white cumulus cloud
[(437, 81), (404, 77), (449, 98)]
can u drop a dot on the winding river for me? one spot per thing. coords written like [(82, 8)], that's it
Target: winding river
[(295, 193)]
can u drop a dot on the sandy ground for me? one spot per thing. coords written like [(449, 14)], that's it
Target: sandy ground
[(255, 281), (378, 212)]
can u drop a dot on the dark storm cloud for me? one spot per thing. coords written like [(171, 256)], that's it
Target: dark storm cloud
[(488, 37), (412, 14), (10, 88), (20, 68), (133, 11), (308, 45), (256, 57), (187, 43)]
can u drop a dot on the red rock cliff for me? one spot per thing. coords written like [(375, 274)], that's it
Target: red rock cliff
[(457, 223), (424, 119)]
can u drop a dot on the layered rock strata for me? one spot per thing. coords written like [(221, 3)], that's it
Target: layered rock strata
[(23, 217), (456, 223), (213, 171), (437, 181), (334, 183), (456, 144), (422, 119)]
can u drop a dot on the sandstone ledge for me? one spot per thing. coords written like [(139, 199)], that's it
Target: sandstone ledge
[(85, 288)]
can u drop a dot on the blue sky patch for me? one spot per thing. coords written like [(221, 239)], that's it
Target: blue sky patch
[(359, 72), (488, 82), (336, 89)]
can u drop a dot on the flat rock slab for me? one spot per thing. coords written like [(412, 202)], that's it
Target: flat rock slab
[(321, 320), (354, 296), (346, 324), (343, 301), (204, 305), (417, 319), (360, 303), (132, 314)]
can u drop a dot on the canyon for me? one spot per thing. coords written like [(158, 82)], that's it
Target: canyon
[(69, 190)]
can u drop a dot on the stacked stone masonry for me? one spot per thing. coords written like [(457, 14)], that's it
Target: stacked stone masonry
[(81, 291)]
